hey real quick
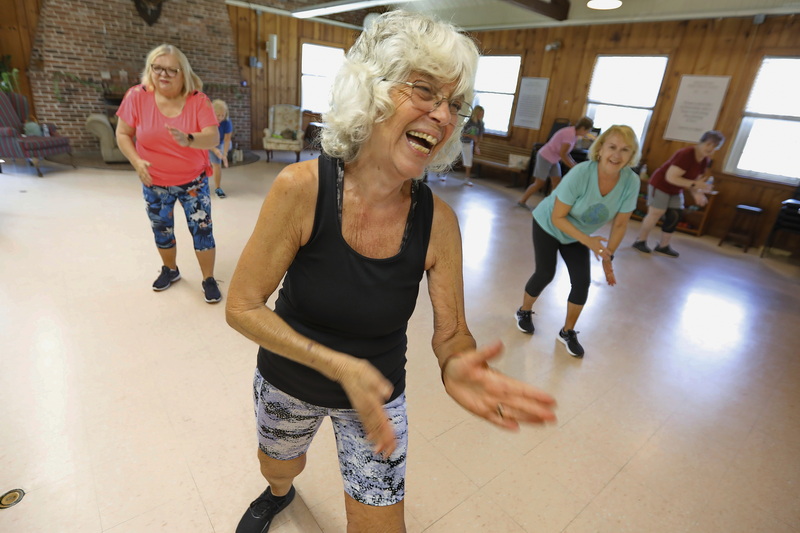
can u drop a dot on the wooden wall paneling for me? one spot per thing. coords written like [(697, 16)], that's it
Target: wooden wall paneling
[(574, 77), (789, 32), (17, 31)]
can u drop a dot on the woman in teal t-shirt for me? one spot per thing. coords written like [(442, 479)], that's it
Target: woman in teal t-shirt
[(590, 195)]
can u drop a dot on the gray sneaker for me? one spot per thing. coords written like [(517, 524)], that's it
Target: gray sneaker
[(666, 250), (642, 247)]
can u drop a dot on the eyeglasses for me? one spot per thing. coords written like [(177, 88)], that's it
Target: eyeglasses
[(158, 70), (426, 98)]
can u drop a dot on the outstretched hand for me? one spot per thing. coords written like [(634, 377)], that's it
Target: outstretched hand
[(492, 395)]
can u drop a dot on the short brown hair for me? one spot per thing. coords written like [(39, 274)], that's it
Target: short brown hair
[(585, 123)]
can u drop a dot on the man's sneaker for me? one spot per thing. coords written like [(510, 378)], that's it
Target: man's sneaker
[(524, 321), (259, 515), (220, 193), (211, 290), (570, 340), (642, 247), (666, 250), (166, 278)]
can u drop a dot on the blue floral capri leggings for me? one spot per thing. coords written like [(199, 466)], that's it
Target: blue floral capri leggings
[(196, 202), (287, 425)]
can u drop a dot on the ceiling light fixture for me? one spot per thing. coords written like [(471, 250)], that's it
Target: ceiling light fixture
[(330, 8), (603, 4)]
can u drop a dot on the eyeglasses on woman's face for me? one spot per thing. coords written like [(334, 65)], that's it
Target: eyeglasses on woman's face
[(158, 70), (426, 98)]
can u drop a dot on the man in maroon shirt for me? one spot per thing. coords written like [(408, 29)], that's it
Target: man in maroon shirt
[(684, 170)]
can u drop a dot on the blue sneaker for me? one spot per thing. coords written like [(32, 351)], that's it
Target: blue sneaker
[(211, 290), (166, 278)]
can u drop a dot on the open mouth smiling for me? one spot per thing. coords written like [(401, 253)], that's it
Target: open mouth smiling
[(422, 142)]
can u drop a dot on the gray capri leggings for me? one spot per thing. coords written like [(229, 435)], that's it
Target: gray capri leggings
[(575, 255)]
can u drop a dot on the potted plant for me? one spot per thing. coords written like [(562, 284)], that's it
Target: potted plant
[(9, 76)]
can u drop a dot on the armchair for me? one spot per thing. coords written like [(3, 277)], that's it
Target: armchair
[(13, 115), (100, 127), (285, 131)]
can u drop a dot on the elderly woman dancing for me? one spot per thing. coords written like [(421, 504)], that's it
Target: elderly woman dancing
[(354, 232)]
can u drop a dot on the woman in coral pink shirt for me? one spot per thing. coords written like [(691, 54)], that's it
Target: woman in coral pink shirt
[(174, 126)]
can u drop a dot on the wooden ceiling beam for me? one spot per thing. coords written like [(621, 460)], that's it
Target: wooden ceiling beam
[(555, 9)]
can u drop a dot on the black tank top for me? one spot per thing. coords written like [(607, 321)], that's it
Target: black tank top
[(350, 303)]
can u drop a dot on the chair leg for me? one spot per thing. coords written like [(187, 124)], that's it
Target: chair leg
[(298, 157), (72, 160), (34, 161), (768, 242)]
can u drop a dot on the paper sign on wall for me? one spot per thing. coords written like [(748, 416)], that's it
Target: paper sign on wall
[(696, 107), (530, 104)]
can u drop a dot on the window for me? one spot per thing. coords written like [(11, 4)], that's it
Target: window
[(624, 90), (770, 126), (319, 67), (495, 86)]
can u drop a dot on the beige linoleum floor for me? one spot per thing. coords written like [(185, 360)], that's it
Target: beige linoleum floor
[(129, 411)]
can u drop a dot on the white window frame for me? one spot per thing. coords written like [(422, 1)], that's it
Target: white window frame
[(492, 117), (305, 76), (749, 118), (592, 106)]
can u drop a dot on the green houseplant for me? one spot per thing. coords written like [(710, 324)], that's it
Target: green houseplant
[(9, 76)]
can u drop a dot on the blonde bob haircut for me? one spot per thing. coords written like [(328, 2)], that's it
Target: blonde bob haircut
[(396, 46), (191, 82), (627, 135)]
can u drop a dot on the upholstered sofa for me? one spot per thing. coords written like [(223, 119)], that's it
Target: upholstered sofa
[(99, 125), (15, 145), (285, 131)]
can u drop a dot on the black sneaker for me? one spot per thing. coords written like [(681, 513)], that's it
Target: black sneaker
[(259, 515), (220, 193), (570, 340), (524, 321), (211, 291), (666, 250), (166, 278), (642, 247)]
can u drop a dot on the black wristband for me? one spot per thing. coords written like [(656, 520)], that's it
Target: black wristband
[(190, 137)]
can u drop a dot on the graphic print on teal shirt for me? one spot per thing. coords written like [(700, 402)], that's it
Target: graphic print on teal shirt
[(595, 214), (590, 210)]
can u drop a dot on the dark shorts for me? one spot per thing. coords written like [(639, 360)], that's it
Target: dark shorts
[(196, 202), (286, 427)]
